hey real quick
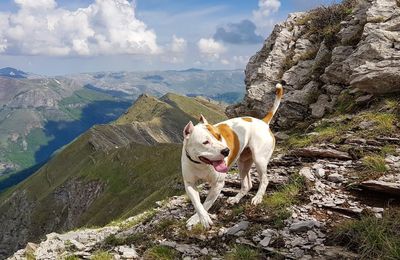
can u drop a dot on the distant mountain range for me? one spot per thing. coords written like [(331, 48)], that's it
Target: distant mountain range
[(109, 172), (39, 115), (13, 73)]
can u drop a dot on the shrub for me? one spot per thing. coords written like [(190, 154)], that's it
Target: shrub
[(324, 22), (309, 55)]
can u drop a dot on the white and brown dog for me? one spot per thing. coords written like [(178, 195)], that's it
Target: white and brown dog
[(210, 150)]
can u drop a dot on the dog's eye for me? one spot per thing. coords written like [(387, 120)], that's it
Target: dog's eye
[(206, 142)]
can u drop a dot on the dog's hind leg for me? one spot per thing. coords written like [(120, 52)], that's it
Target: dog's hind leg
[(213, 194), (244, 164), (261, 159)]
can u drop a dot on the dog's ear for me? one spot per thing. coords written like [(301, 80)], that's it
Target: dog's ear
[(203, 120), (188, 129)]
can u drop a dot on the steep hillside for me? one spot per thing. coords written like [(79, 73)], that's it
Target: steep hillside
[(109, 172)]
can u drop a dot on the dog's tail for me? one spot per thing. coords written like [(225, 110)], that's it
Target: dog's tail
[(277, 102)]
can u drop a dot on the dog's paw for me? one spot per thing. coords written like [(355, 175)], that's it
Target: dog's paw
[(206, 221), (192, 221), (233, 200), (256, 200)]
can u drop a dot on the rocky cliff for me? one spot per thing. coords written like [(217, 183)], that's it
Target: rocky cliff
[(324, 55)]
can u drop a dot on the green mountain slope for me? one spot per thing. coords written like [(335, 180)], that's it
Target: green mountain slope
[(109, 172)]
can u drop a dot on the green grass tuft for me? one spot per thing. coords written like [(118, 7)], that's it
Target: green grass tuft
[(126, 224), (384, 122), (371, 237), (161, 253), (322, 133), (299, 141), (375, 163), (388, 149), (345, 103), (71, 257), (102, 255), (30, 256), (278, 203), (243, 252), (165, 224)]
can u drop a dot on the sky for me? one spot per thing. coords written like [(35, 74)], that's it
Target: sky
[(57, 37)]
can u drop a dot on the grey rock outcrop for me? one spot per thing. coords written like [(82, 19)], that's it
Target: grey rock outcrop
[(12, 220), (19, 220), (365, 56)]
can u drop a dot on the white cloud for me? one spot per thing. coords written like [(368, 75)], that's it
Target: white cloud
[(225, 62), (242, 60), (104, 27), (37, 4), (261, 16), (3, 45), (210, 47), (266, 8), (178, 44)]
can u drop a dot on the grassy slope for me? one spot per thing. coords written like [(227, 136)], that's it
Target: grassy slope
[(134, 175)]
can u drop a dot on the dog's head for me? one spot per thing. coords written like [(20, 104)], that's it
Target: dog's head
[(204, 143)]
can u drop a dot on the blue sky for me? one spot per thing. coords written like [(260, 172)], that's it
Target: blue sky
[(61, 37)]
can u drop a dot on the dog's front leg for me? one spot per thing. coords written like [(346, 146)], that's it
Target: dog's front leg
[(213, 194), (202, 213), (215, 190)]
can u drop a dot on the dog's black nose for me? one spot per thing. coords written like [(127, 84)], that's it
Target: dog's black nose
[(225, 152)]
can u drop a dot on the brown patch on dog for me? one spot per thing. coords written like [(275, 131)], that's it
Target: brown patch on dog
[(232, 141), (246, 155), (247, 119), (214, 131), (278, 97), (279, 92)]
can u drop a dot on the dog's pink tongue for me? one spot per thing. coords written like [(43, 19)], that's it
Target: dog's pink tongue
[(220, 166)]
